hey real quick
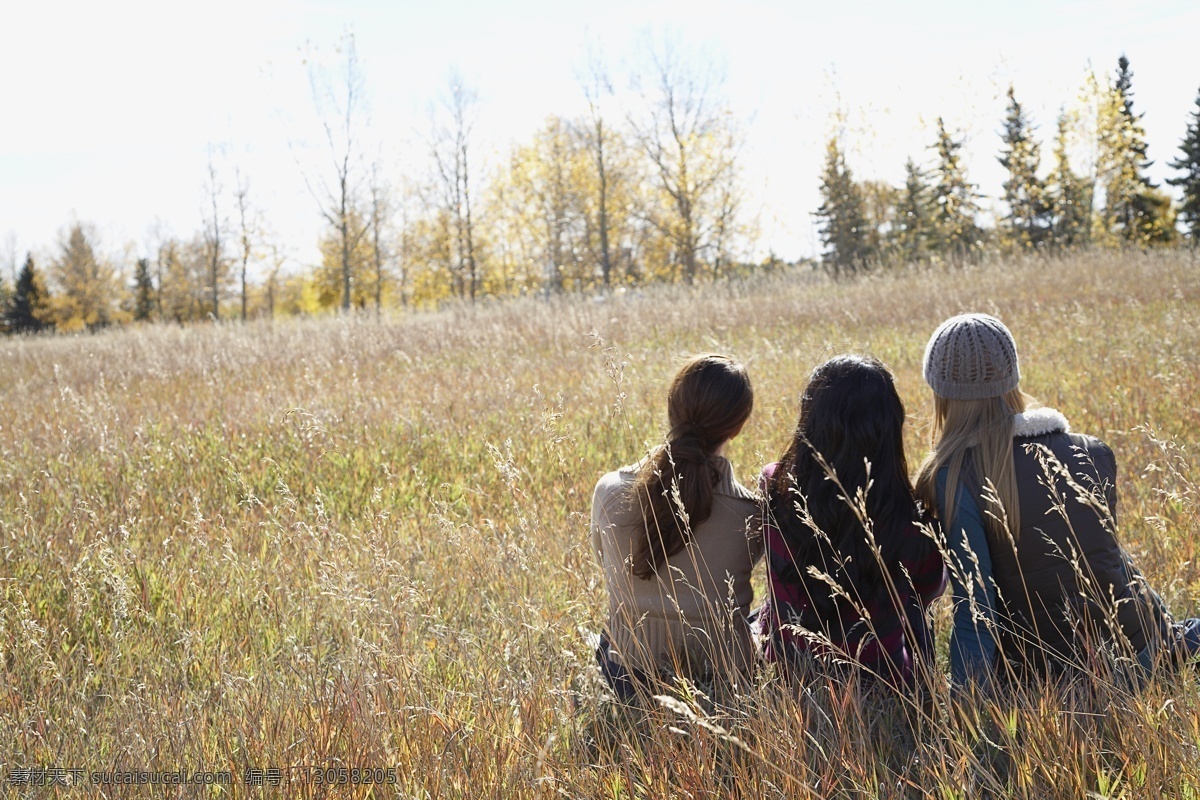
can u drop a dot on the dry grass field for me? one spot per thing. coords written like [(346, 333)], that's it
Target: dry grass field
[(347, 543)]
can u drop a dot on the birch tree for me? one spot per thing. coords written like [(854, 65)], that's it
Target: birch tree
[(686, 132), (341, 104), (379, 210), (214, 238), (602, 144), (247, 230), (452, 147)]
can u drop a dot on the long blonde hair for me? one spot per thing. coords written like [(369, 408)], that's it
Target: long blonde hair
[(982, 429)]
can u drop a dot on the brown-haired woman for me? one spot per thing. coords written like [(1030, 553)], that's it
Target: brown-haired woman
[(677, 537)]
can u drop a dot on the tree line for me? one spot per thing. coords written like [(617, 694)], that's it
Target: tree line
[(935, 214), (605, 200), (608, 199)]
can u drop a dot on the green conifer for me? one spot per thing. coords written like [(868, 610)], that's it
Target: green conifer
[(143, 290), (1189, 164), (1027, 224), (1135, 212), (955, 200), (843, 218), (29, 308), (1068, 196), (5, 298), (913, 223)]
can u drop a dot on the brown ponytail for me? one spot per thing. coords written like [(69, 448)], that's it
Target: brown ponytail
[(709, 401)]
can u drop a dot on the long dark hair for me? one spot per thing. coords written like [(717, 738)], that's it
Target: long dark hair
[(850, 414), (709, 401)]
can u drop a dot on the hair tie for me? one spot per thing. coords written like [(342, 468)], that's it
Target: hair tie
[(685, 429)]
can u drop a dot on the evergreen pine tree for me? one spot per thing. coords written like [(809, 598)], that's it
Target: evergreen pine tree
[(912, 229), (844, 221), (143, 289), (30, 307), (880, 203), (1135, 211), (1189, 181), (1068, 197), (954, 199), (1027, 223)]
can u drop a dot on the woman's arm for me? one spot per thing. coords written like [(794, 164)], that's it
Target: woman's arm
[(1115, 571), (972, 644), (929, 573)]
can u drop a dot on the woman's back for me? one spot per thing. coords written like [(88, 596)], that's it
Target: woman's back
[(692, 613), (1063, 584), (851, 568), (1029, 509), (677, 537), (882, 627)]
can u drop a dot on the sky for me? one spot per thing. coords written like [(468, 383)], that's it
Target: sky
[(111, 110)]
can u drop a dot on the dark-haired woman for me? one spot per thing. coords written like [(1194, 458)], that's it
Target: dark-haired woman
[(851, 565), (677, 537)]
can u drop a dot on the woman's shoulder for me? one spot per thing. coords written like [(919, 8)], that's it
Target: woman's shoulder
[(1051, 427), (1040, 421), (741, 494), (614, 487), (765, 476), (728, 486)]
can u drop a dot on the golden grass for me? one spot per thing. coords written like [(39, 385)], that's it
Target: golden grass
[(345, 542)]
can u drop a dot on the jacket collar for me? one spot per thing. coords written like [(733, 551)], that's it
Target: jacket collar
[(1039, 422)]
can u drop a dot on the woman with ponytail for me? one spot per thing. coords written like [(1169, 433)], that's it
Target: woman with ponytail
[(677, 537)]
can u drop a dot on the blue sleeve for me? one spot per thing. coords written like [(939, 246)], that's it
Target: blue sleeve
[(972, 645)]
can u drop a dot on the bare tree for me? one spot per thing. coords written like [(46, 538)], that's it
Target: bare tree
[(340, 105), (376, 222), (245, 227), (451, 149), (214, 232), (598, 138), (686, 133), (278, 259)]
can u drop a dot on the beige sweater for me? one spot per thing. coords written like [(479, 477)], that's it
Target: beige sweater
[(693, 613)]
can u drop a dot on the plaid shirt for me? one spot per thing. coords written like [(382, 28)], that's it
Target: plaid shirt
[(789, 626)]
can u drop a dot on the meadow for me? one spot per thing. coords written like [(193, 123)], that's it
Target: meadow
[(359, 543)]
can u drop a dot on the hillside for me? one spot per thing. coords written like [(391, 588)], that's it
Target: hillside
[(359, 543)]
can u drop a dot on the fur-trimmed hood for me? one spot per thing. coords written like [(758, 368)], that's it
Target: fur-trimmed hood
[(1039, 422)]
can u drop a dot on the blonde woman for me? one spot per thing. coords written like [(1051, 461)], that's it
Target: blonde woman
[(678, 536), (1039, 581)]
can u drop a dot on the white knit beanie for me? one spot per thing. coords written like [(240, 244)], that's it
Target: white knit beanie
[(971, 357)]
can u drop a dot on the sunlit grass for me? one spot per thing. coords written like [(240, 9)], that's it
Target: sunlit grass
[(359, 543)]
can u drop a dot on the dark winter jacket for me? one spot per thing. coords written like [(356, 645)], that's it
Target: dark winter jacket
[(1067, 588)]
